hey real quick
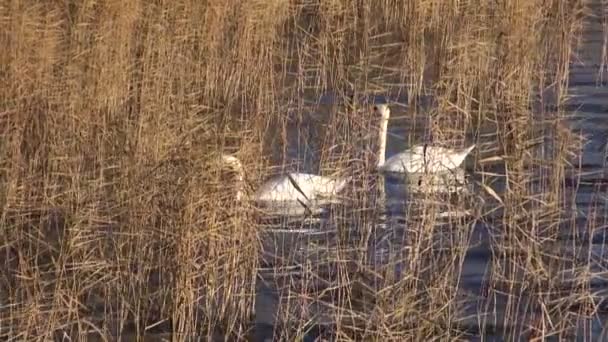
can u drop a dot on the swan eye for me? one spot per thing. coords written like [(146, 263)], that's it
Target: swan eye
[(376, 108)]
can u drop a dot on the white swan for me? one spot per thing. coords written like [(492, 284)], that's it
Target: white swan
[(419, 158), (281, 188)]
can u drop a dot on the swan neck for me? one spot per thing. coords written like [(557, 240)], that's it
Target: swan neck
[(240, 179), (240, 182), (382, 142)]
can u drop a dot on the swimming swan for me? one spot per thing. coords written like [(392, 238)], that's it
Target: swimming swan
[(281, 188), (419, 158)]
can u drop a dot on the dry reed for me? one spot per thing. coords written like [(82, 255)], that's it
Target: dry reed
[(118, 219)]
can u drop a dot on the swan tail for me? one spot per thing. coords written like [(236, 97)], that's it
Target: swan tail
[(465, 152), (341, 183), (468, 150), (333, 187), (462, 154)]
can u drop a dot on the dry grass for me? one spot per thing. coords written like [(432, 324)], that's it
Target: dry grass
[(117, 218)]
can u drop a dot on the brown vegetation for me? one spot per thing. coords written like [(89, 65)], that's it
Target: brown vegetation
[(117, 217)]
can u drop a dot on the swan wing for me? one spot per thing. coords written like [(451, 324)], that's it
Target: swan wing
[(309, 187), (409, 161), (443, 158), (281, 189), (431, 159), (318, 185)]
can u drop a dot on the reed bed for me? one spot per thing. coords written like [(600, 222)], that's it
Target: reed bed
[(119, 221)]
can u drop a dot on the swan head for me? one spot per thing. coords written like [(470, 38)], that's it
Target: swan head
[(382, 110), (232, 161), (235, 164)]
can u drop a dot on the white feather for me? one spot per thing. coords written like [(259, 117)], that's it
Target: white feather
[(309, 186), (434, 160), (419, 158)]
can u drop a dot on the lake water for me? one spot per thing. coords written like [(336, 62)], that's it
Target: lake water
[(301, 259)]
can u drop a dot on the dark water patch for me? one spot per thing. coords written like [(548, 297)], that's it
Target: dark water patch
[(597, 109)]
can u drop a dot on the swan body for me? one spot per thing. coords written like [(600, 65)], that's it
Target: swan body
[(434, 160), (310, 187), (419, 158)]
